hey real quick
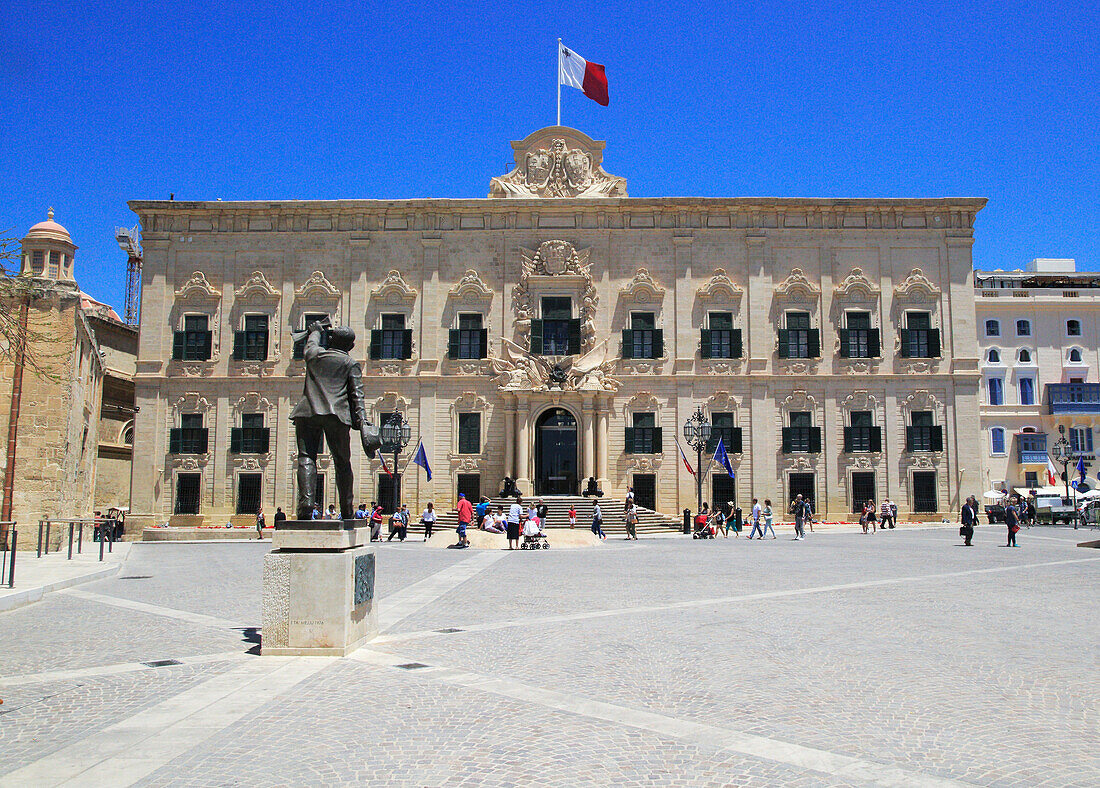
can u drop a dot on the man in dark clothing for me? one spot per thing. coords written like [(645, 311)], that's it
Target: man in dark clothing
[(280, 515), (331, 405), (968, 516)]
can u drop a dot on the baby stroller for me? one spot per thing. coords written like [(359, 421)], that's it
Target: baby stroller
[(533, 537), (704, 528)]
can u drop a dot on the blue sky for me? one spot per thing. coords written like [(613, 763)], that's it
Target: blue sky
[(103, 103)]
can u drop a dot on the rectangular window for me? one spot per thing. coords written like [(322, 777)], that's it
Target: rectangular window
[(801, 436), (190, 437), (997, 441), (803, 484), (722, 426), (1031, 479), (1027, 391), (862, 435), (392, 340), (193, 343), (798, 340), (249, 487), (252, 437), (1023, 328), (643, 339), (469, 484), (188, 490), (55, 265), (1080, 440), (469, 433), (922, 434), (857, 338), (644, 437), (720, 339), (645, 490), (918, 338), (924, 491), (469, 340), (557, 314), (992, 328), (251, 343), (996, 388), (38, 262), (863, 489), (1073, 328), (307, 320)]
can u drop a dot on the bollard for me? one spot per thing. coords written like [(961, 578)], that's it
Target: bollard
[(70, 542), (39, 539), (11, 568), (111, 543), (47, 538), (101, 541), (80, 538), (738, 521), (687, 521)]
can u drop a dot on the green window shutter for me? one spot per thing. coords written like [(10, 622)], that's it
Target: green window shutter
[(876, 439), (207, 344), (452, 342), (786, 440), (628, 343), (407, 343), (376, 343), (658, 342), (238, 345), (629, 448), (175, 441), (784, 344), (263, 352), (843, 346), (815, 342), (483, 343), (848, 437), (909, 438), (735, 441), (735, 343), (933, 343), (264, 442), (704, 343), (177, 345), (204, 438), (874, 347), (574, 336), (815, 440), (536, 337), (235, 439), (658, 447), (903, 335), (937, 438)]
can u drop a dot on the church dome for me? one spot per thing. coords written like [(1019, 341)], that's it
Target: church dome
[(49, 230)]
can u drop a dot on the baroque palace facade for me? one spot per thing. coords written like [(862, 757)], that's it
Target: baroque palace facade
[(559, 330)]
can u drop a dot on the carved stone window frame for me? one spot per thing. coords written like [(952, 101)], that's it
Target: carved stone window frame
[(198, 297), (257, 296), (469, 402), (556, 268), (316, 294), (254, 402), (643, 402), (862, 400), (724, 402), (191, 402)]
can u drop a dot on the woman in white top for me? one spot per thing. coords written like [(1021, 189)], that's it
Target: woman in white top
[(515, 514), (427, 519)]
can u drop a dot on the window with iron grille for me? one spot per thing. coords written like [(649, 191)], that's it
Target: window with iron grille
[(862, 435), (251, 437), (188, 493), (924, 491), (722, 426), (720, 339), (922, 434), (643, 339), (863, 489), (469, 433), (249, 487), (307, 320), (469, 340), (918, 338), (557, 333), (798, 340), (857, 338), (251, 343), (801, 436), (1031, 479), (644, 437), (190, 437), (193, 343)]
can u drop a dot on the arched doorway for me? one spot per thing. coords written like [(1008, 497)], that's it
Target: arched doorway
[(556, 453)]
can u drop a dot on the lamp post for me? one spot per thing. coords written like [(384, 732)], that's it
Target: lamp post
[(1062, 453), (396, 432), (697, 434)]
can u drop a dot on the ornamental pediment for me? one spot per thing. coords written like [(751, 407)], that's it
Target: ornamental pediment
[(257, 287), (720, 288), (318, 288), (642, 289), (198, 288), (916, 287), (394, 290), (797, 287), (471, 287), (558, 162)]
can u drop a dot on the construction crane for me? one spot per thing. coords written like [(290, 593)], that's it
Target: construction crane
[(127, 242)]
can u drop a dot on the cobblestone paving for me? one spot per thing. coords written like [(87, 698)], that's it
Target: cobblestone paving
[(898, 650)]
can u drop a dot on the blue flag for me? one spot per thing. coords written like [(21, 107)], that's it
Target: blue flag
[(421, 459), (722, 458), (1081, 467)]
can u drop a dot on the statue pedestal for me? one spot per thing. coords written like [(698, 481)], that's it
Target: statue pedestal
[(318, 589)]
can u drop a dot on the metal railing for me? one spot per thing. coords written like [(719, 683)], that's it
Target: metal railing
[(10, 541), (103, 531)]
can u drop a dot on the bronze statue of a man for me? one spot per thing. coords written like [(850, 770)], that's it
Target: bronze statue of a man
[(331, 406)]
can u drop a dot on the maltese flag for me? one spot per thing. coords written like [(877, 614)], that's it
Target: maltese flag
[(575, 71), (1052, 474)]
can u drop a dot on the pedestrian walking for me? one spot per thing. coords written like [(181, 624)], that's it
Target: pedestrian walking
[(427, 519), (597, 521), (719, 518), (867, 518), (515, 514), (1012, 520), (375, 522), (280, 516), (800, 510), (757, 513), (260, 522), (731, 520), (541, 511), (406, 515), (768, 517), (893, 514), (631, 517), (465, 517), (968, 517), (886, 514), (572, 516)]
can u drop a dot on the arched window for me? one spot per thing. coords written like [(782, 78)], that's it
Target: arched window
[(993, 328), (128, 435), (1073, 328), (997, 440), (1025, 356), (1074, 356), (1023, 328), (994, 356)]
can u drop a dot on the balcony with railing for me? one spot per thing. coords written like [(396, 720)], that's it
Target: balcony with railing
[(1073, 398), (1031, 448)]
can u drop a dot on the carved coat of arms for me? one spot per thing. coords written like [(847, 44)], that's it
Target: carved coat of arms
[(557, 171)]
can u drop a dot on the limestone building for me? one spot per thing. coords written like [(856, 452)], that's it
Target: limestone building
[(1039, 333), (54, 396), (560, 329)]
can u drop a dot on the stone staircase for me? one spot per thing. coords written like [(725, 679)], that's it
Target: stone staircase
[(614, 522)]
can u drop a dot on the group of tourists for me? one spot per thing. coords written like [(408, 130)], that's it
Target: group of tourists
[(874, 518), (1019, 512)]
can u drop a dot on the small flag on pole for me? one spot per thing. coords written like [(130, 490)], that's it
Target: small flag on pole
[(421, 459), (576, 72), (722, 458), (684, 459), (1052, 473), (385, 467), (1081, 467)]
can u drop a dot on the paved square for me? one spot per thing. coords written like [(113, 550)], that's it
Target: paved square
[(895, 659)]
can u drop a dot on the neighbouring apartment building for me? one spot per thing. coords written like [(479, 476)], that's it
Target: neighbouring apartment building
[(559, 330), (1039, 333)]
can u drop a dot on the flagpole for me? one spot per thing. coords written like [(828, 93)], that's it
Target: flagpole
[(559, 82)]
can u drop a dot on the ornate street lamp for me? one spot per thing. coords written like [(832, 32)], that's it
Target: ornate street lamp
[(1062, 453), (396, 434), (697, 434)]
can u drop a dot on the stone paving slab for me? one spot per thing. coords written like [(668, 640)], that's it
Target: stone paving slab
[(36, 576)]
